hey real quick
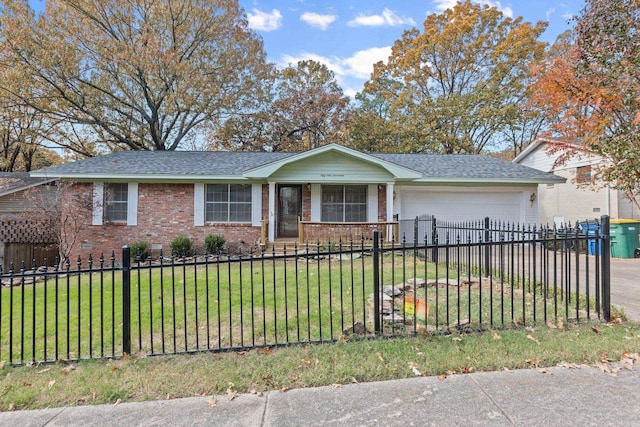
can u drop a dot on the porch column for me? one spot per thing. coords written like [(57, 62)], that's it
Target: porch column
[(272, 211), (390, 229)]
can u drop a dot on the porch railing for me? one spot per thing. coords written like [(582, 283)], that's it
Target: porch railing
[(323, 232), (264, 232)]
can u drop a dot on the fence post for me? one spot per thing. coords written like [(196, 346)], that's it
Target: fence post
[(126, 299), (434, 240), (376, 282), (487, 252), (415, 231), (605, 268)]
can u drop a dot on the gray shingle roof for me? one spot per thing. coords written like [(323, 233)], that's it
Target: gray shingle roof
[(10, 182), (170, 163), (461, 166), (157, 164)]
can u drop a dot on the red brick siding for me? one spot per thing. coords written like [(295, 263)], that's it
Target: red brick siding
[(382, 203), (306, 202), (164, 212)]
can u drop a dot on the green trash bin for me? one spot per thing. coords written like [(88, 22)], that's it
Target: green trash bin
[(624, 237)]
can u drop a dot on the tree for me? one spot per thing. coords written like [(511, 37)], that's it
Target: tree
[(591, 88), (62, 210), (116, 74), (454, 86), (306, 109)]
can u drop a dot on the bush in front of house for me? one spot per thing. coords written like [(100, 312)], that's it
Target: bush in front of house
[(182, 246), (141, 248), (214, 243)]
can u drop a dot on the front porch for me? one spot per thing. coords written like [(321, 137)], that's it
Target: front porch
[(313, 212), (313, 232)]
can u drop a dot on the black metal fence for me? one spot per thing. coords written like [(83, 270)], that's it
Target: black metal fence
[(453, 278)]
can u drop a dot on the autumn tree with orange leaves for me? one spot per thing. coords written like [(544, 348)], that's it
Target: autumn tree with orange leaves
[(453, 87), (590, 86)]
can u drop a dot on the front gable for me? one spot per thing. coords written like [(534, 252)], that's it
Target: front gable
[(332, 167), (332, 163)]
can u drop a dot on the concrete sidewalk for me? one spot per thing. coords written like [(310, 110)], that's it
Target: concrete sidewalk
[(584, 396)]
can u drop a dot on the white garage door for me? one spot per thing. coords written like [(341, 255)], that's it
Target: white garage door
[(461, 206)]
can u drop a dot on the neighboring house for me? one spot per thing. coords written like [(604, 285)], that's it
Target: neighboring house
[(572, 200), (23, 237), (258, 197)]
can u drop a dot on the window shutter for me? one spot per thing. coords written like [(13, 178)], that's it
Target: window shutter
[(132, 204), (98, 201), (372, 203), (256, 204), (198, 205)]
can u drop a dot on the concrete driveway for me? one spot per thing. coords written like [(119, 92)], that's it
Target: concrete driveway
[(625, 286)]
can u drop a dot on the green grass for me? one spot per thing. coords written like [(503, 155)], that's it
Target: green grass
[(183, 308), (163, 377)]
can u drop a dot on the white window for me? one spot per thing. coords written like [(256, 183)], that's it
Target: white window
[(344, 203), (115, 203), (228, 203)]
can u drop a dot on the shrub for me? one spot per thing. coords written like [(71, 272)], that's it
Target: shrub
[(214, 243), (182, 246), (141, 248)]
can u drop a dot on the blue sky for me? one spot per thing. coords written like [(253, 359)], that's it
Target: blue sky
[(349, 36)]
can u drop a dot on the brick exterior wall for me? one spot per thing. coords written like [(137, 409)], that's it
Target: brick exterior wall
[(164, 212), (382, 203), (306, 203)]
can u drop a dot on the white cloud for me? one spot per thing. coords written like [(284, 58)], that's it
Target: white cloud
[(264, 21), (318, 21), (360, 64), (449, 4), (351, 72), (550, 12), (388, 18)]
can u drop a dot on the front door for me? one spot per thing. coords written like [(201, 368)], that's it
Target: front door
[(289, 209)]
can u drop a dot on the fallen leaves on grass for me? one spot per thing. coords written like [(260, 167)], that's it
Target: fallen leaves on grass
[(52, 383), (232, 393), (380, 358), (415, 369), (496, 337), (309, 363), (535, 362), (532, 338), (68, 369)]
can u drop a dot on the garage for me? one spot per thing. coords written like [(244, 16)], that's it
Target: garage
[(466, 205), (448, 204)]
